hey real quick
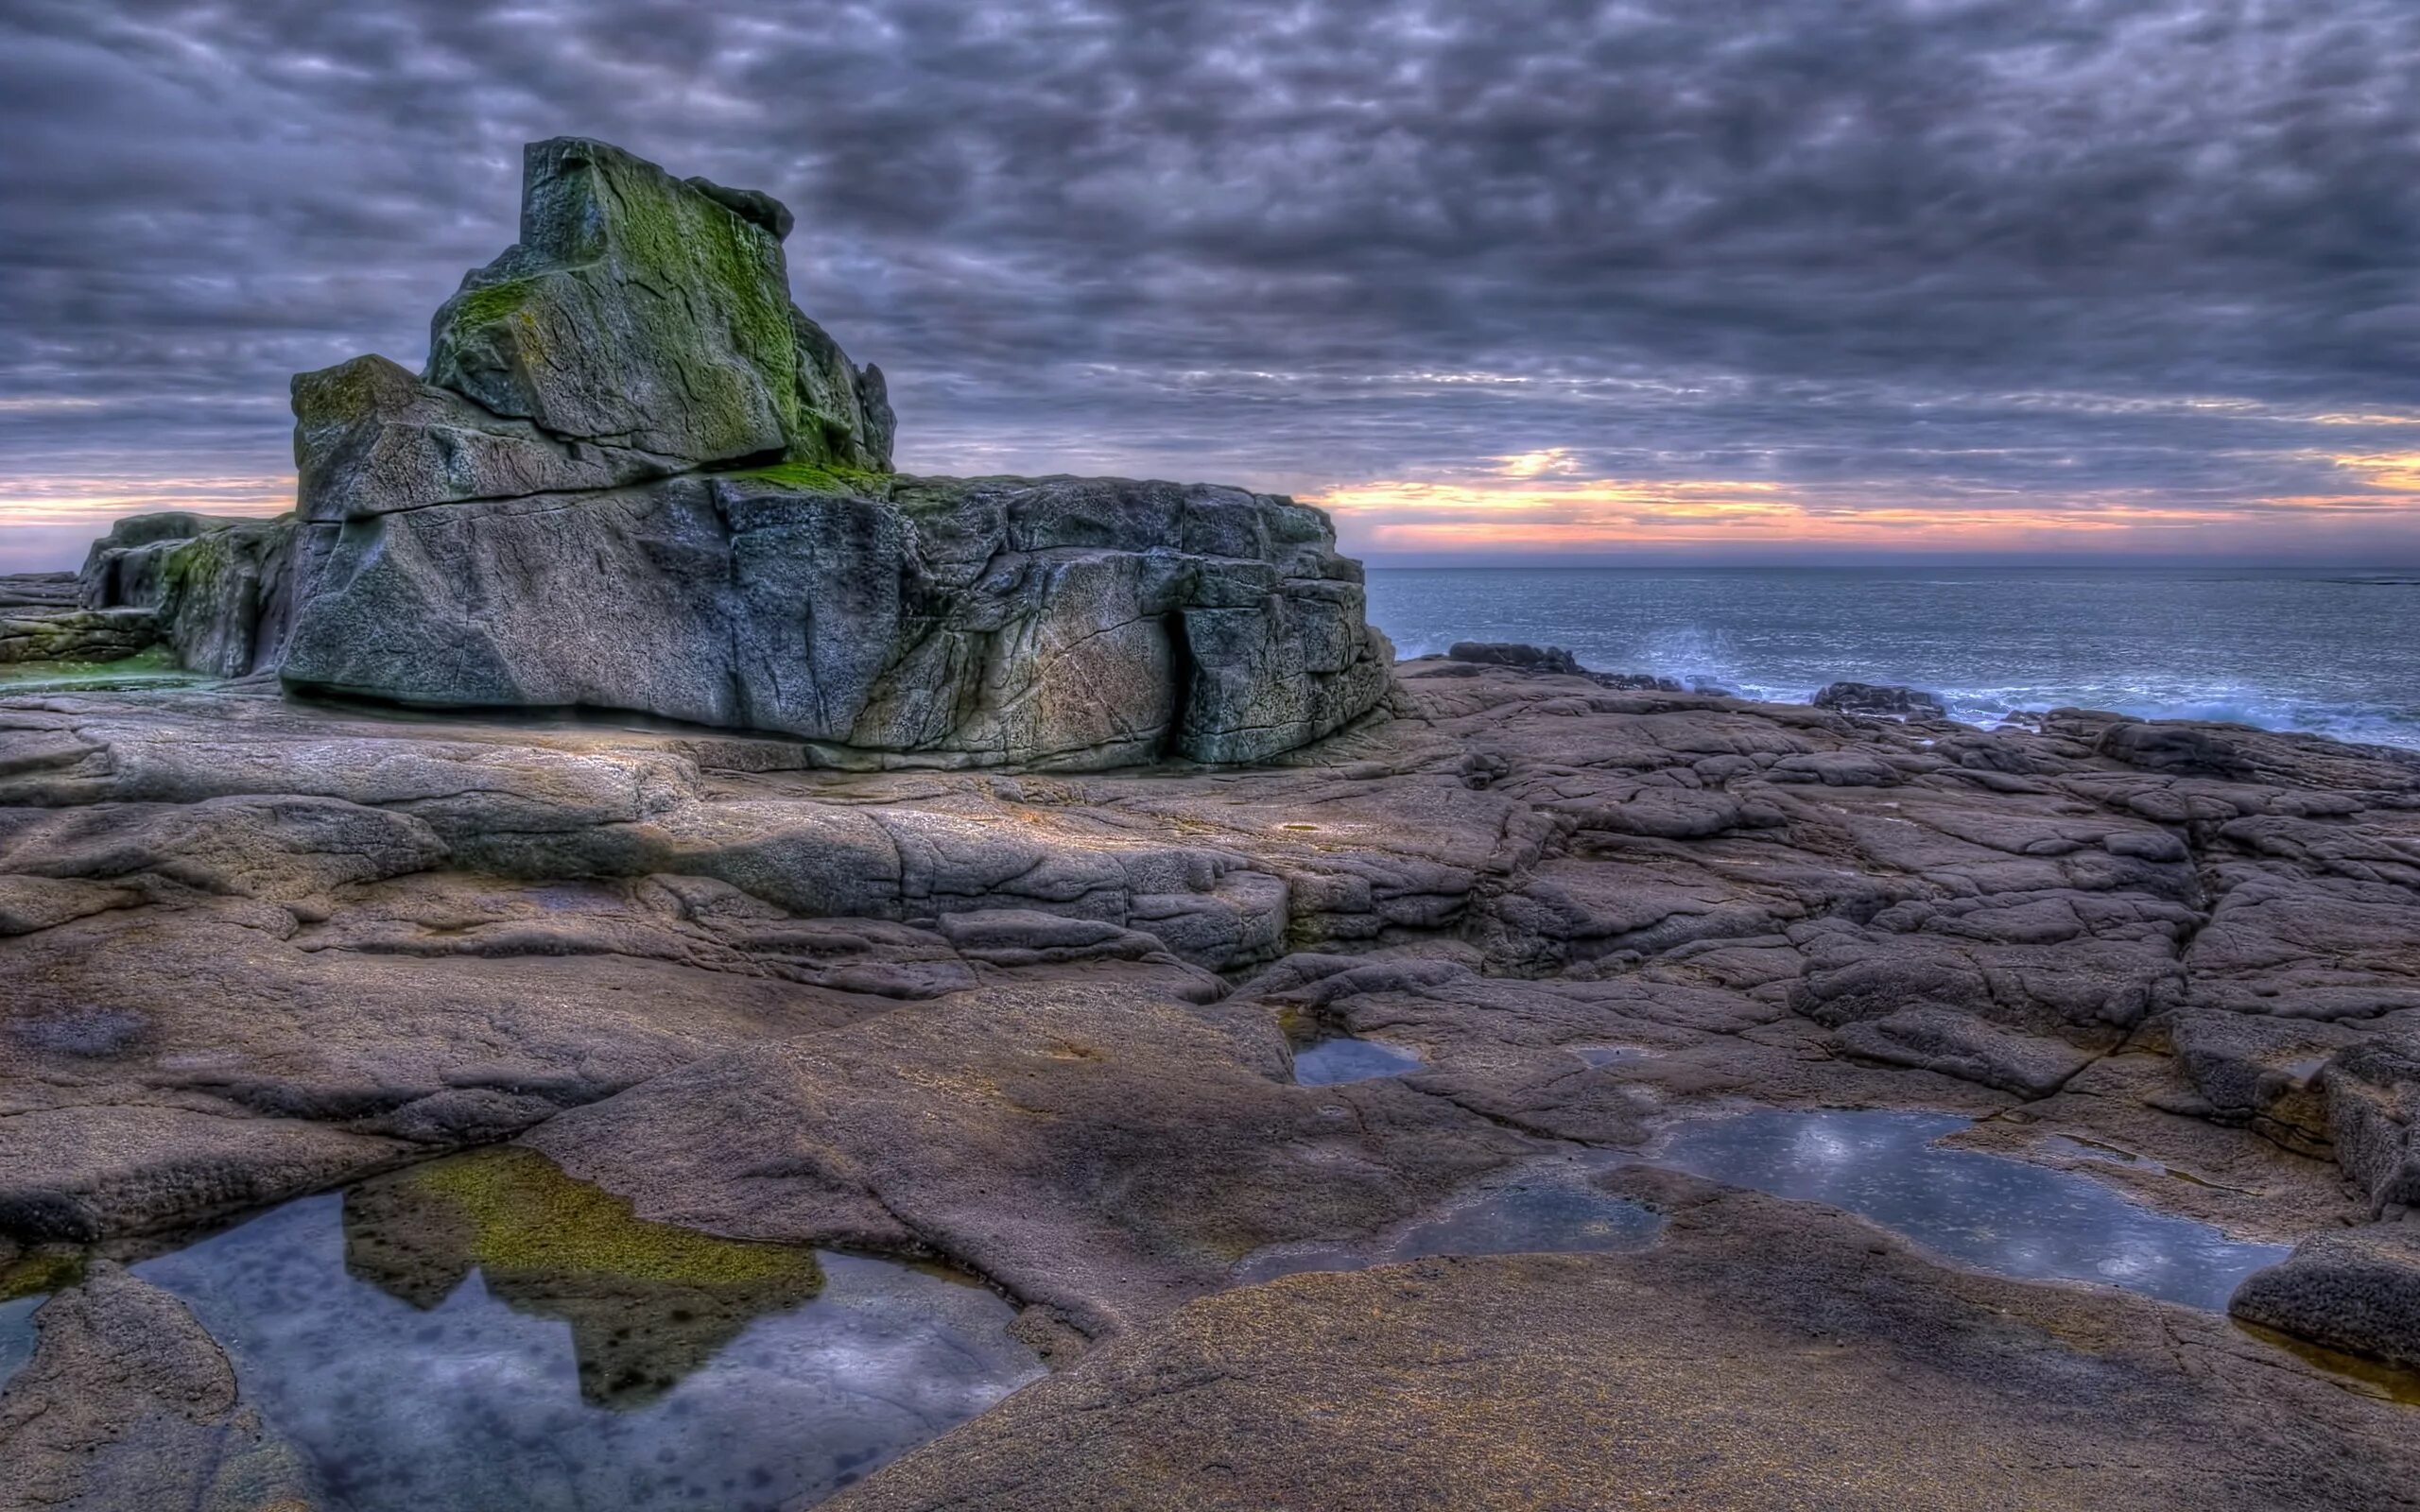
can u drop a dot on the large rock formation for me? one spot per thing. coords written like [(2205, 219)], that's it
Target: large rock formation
[(635, 478), (1067, 622)]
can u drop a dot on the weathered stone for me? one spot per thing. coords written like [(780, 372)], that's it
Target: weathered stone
[(369, 440), (1768, 1357), (75, 634), (2357, 1290), (1971, 1049), (258, 947), (1064, 622), (39, 591), (220, 594), (1878, 699), (1522, 658), (128, 1402), (641, 313)]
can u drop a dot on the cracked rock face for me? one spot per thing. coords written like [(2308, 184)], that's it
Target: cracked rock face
[(1038, 1025), (1054, 622), (633, 476)]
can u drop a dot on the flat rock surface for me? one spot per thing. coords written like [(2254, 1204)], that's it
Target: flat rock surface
[(1765, 1355)]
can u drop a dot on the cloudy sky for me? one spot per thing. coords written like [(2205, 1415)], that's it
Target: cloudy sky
[(1638, 279)]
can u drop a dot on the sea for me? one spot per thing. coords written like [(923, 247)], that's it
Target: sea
[(2333, 653)]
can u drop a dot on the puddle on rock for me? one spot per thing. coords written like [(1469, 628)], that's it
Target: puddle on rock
[(1987, 1211), (1341, 1058), (16, 1335), (2357, 1373), (1541, 1208), (25, 1284), (483, 1331)]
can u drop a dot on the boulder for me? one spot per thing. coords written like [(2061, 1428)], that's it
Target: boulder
[(1061, 621), (2355, 1290), (1511, 654), (219, 593), (1880, 699)]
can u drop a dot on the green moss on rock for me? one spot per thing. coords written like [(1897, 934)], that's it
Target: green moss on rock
[(40, 1271), (817, 477)]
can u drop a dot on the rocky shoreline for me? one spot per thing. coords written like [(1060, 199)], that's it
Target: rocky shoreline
[(965, 871), (1040, 1025)]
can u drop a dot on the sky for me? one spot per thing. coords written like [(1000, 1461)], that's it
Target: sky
[(1632, 282)]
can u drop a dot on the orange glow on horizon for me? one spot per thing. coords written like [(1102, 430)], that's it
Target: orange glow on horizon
[(95, 501), (1531, 501)]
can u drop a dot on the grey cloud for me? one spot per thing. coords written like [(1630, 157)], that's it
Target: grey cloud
[(1832, 242)]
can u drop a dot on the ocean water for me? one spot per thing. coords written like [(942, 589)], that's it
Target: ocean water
[(2334, 653)]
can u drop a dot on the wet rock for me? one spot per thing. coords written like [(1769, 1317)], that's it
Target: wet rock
[(128, 1402), (1552, 659), (1766, 1356), (2357, 1290), (1878, 699)]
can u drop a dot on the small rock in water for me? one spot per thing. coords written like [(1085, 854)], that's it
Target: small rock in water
[(1880, 699)]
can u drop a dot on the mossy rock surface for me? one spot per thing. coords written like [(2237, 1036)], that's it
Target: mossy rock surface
[(153, 668), (645, 312)]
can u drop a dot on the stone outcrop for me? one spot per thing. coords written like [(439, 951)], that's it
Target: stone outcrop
[(1052, 622), (219, 593), (75, 634), (635, 478), (1042, 1026)]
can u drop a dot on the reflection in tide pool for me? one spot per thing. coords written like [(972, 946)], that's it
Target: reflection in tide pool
[(1987, 1211), (1341, 1058), (16, 1335), (1550, 1206), (486, 1333)]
